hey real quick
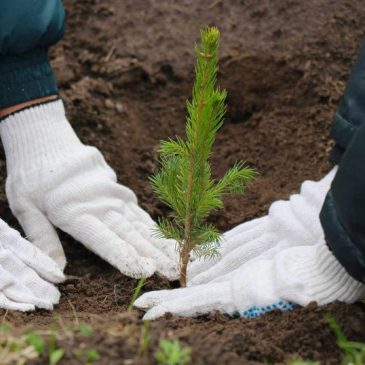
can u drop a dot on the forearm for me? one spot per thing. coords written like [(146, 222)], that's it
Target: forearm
[(343, 212), (349, 115), (27, 30)]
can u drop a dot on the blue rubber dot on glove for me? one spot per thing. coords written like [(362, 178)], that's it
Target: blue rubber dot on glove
[(259, 311)]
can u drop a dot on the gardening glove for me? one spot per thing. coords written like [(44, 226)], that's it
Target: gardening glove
[(26, 274), (294, 275), (56, 181), (294, 222)]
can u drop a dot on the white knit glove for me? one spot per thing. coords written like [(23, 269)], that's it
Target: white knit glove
[(294, 222), (55, 180), (26, 274), (295, 275)]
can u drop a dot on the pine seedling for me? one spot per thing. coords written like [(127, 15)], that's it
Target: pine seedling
[(184, 182), (172, 353)]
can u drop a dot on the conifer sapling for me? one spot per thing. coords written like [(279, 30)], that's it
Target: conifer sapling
[(184, 182)]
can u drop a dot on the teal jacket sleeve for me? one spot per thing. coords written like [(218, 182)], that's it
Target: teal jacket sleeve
[(27, 29), (343, 212)]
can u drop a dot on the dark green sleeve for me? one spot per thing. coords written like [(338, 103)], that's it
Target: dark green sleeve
[(27, 29), (343, 212), (27, 24)]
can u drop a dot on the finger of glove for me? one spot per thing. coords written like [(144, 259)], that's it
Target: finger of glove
[(28, 277), (154, 298), (308, 215), (150, 299), (122, 226), (210, 298), (314, 193), (169, 247), (17, 292), (123, 193), (228, 245), (131, 234), (245, 227), (166, 248), (100, 239), (103, 187), (295, 219), (243, 254), (29, 254), (141, 215), (326, 181), (41, 233), (168, 268), (5, 303), (147, 227), (175, 307)]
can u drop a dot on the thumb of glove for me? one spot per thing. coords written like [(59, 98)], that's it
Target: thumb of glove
[(40, 231)]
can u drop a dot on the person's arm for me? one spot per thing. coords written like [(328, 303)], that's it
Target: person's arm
[(343, 212), (54, 180), (350, 113), (27, 29)]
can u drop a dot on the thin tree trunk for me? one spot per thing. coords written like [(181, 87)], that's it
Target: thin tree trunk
[(184, 260)]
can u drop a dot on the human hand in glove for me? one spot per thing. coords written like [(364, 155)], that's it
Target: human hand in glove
[(56, 181), (293, 275), (269, 263), (26, 274), (293, 222)]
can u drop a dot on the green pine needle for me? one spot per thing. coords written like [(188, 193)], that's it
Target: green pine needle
[(184, 182)]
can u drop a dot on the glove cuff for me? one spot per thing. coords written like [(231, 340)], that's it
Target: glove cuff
[(35, 136), (297, 275), (327, 279)]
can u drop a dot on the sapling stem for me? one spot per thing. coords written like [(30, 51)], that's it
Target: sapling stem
[(184, 260), (184, 181)]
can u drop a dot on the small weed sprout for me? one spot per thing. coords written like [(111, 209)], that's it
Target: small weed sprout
[(303, 362), (86, 356), (37, 341), (91, 356), (172, 353), (184, 182), (41, 345), (85, 330), (145, 340), (354, 351), (4, 327), (19, 350), (54, 354), (136, 292)]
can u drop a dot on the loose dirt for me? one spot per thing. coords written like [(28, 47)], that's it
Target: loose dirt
[(125, 69)]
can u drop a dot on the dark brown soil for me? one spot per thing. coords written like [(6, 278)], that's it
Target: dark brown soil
[(125, 69)]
